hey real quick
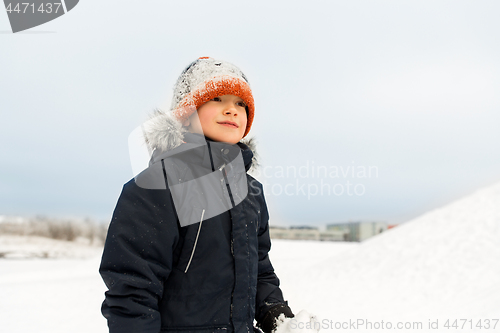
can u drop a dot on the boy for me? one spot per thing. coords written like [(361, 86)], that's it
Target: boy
[(187, 248)]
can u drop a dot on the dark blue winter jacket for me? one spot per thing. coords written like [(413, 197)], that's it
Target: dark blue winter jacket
[(210, 276)]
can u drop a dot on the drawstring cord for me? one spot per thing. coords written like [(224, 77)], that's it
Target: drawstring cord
[(195, 242)]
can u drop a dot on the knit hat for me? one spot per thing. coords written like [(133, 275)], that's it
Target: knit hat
[(207, 78)]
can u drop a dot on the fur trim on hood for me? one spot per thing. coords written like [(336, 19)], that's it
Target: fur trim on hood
[(164, 132)]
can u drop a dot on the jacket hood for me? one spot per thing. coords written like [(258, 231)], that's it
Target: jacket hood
[(163, 132)]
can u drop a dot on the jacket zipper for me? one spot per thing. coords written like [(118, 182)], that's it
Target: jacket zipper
[(195, 242), (234, 267), (223, 171)]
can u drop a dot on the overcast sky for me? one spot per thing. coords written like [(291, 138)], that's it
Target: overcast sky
[(403, 93)]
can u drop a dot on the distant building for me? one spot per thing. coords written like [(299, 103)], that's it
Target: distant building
[(300, 232), (339, 232), (304, 233), (358, 231)]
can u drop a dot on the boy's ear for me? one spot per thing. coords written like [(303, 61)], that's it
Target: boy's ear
[(186, 123)]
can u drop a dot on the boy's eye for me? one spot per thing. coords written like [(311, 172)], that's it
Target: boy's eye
[(242, 104), (216, 99)]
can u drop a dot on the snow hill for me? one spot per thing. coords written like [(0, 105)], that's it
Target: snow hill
[(443, 264)]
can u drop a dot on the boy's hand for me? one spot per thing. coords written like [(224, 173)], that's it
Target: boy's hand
[(303, 322)]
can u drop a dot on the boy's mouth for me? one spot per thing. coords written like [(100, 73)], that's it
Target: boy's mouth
[(228, 123)]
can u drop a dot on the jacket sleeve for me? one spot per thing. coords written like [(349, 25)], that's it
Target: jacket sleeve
[(137, 258), (269, 301)]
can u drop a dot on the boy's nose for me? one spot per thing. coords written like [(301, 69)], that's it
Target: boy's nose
[(230, 109)]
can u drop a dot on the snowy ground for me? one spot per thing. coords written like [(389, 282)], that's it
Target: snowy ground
[(26, 247), (442, 265)]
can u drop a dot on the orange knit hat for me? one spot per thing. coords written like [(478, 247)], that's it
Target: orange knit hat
[(207, 78)]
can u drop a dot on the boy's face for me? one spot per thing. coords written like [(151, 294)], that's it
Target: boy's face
[(222, 119)]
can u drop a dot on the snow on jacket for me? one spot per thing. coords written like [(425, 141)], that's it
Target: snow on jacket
[(211, 276)]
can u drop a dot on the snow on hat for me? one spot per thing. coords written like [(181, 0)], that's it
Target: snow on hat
[(207, 78)]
